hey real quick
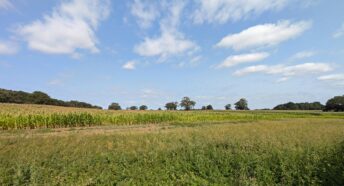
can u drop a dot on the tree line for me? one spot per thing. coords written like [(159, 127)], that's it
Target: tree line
[(300, 106), (335, 104), (38, 97), (186, 104)]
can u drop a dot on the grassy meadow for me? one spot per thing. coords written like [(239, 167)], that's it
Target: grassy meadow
[(47, 145)]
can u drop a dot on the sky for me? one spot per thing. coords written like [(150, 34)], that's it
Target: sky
[(152, 52)]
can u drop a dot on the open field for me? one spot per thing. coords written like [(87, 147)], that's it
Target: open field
[(172, 148)]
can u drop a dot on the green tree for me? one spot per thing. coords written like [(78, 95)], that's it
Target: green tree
[(171, 105), (209, 107), (241, 104), (187, 103), (335, 104), (228, 107), (114, 106), (133, 108), (143, 107)]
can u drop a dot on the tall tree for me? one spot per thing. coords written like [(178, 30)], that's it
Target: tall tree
[(187, 103), (242, 104)]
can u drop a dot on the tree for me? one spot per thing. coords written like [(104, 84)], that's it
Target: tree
[(204, 108), (143, 107), (133, 108), (209, 107), (241, 104), (228, 107), (335, 104), (171, 105), (114, 106), (38, 97), (187, 103), (300, 106)]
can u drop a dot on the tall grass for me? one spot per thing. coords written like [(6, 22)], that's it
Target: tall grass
[(287, 152)]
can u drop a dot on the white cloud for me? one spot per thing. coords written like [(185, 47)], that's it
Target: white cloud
[(337, 79), (5, 4), (7, 48), (170, 42), (264, 35), (286, 71), (242, 58), (303, 54), (339, 32), (130, 65), (70, 27), (221, 11), (145, 12), (165, 45)]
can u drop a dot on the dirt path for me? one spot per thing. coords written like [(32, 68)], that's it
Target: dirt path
[(98, 130)]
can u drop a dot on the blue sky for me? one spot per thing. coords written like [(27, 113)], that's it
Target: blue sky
[(152, 52)]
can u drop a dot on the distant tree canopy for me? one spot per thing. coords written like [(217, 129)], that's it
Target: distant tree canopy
[(335, 104), (143, 107), (115, 106), (37, 97), (133, 108), (228, 107), (187, 103), (241, 104), (171, 106), (300, 106), (208, 107)]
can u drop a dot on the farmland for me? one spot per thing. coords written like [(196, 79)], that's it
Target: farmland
[(48, 145)]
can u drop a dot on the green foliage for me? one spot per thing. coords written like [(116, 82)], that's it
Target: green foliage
[(241, 104), (187, 103), (133, 108), (114, 106), (171, 106), (37, 97), (300, 106), (228, 107), (288, 152), (335, 104), (208, 107), (143, 107)]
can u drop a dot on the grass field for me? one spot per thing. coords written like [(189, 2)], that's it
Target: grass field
[(169, 148)]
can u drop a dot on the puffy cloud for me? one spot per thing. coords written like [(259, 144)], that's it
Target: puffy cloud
[(145, 12), (165, 45), (339, 32), (171, 41), (7, 48), (221, 11), (264, 35), (71, 26), (5, 4), (286, 71), (130, 65), (242, 58)]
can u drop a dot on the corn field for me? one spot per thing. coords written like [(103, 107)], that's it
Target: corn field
[(14, 116)]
